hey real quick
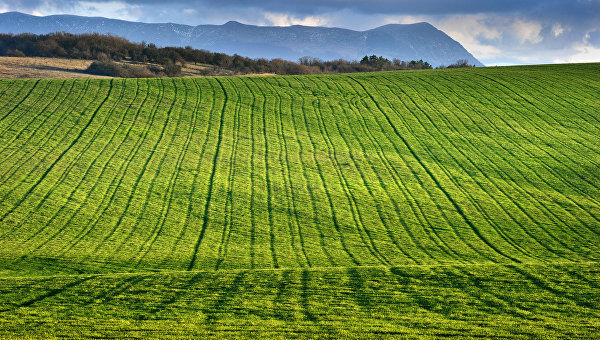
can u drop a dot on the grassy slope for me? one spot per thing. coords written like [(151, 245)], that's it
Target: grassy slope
[(431, 202)]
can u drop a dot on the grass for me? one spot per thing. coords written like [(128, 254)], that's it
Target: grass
[(446, 202), (38, 67)]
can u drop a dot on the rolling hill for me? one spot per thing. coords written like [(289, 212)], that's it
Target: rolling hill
[(458, 202), (405, 42)]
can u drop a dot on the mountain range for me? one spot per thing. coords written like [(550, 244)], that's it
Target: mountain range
[(402, 41)]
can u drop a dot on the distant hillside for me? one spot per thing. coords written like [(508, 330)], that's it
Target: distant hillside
[(405, 42)]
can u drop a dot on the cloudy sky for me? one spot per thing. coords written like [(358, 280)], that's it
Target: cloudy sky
[(496, 32)]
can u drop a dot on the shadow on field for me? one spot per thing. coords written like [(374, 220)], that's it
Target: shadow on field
[(49, 294)]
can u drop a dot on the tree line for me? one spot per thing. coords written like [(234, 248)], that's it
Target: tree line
[(107, 49)]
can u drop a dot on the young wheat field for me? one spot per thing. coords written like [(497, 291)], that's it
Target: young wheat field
[(459, 202)]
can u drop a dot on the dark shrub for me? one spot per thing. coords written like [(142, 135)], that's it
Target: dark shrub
[(171, 69), (460, 64), (15, 53), (112, 69)]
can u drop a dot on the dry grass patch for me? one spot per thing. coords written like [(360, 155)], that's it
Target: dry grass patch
[(37, 67)]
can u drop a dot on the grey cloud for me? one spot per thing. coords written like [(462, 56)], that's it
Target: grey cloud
[(25, 5), (429, 7), (375, 6)]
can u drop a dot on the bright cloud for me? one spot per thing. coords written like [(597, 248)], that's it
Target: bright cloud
[(584, 53), (469, 30), (110, 9), (404, 19), (527, 31), (557, 30), (278, 19)]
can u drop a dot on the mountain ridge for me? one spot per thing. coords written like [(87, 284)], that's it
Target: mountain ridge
[(403, 41)]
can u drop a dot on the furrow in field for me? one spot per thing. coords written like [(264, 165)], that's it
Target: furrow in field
[(334, 155), (285, 188), (54, 128), (350, 207), (304, 297), (23, 167), (417, 219), (43, 176), (34, 139), (268, 185), (9, 173), (204, 111), (284, 297), (464, 210), (518, 107), (23, 159), (430, 207), (230, 213), (393, 301), (83, 181), (574, 115), (6, 86), (264, 238), (253, 175), (26, 108), (523, 217), (156, 192), (124, 228), (301, 166), (157, 230), (495, 160), (119, 288), (490, 299), (542, 284), (211, 181), (282, 239), (21, 100), (560, 109), (323, 183), (300, 189), (480, 106), (435, 123), (415, 154), (574, 138), (262, 233), (50, 198), (106, 200), (14, 93), (585, 99), (544, 170), (41, 111), (296, 196), (385, 188), (49, 294)]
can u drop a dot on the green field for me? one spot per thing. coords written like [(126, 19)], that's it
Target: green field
[(459, 202)]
